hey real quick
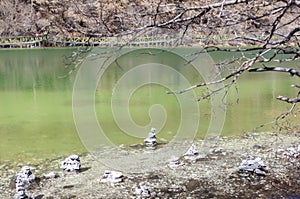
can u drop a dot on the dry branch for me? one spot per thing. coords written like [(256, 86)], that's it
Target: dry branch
[(276, 69), (289, 100)]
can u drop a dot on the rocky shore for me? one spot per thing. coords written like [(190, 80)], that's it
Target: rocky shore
[(216, 175)]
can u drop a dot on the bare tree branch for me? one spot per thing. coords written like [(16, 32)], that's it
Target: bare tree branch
[(276, 69), (289, 100)]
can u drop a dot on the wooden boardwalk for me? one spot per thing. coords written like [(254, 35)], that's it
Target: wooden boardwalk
[(22, 42), (43, 41)]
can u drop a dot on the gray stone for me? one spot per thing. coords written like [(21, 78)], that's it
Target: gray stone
[(112, 177), (259, 172), (192, 154), (251, 165), (192, 151), (50, 175), (174, 162), (143, 191)]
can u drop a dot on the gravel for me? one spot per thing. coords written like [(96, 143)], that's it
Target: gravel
[(217, 175)]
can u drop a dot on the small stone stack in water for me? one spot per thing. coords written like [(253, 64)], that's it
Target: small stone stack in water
[(151, 139), (23, 180), (71, 163)]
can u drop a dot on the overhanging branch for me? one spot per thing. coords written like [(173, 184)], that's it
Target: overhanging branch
[(289, 100), (292, 71)]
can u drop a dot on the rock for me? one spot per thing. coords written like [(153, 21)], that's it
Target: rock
[(50, 175), (260, 172), (253, 165), (40, 196), (68, 186), (70, 196), (192, 154), (12, 183), (192, 184), (293, 152), (71, 163), (280, 150), (218, 150), (174, 162), (256, 146), (143, 191), (192, 151), (21, 194), (175, 188), (112, 177), (293, 155)]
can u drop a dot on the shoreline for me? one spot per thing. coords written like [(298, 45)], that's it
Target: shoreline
[(214, 176), (154, 42)]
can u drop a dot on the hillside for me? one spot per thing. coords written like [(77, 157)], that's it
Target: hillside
[(109, 18)]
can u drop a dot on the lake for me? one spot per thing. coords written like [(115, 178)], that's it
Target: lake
[(36, 117)]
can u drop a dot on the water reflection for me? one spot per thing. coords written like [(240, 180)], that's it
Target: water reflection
[(36, 113)]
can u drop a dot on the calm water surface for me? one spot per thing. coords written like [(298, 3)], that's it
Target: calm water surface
[(36, 118)]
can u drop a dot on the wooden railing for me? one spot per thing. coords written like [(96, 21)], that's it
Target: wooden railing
[(43, 41), (22, 41)]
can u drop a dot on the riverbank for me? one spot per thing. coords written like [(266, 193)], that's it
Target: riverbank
[(214, 176)]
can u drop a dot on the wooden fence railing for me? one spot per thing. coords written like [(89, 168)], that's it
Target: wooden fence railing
[(44, 41)]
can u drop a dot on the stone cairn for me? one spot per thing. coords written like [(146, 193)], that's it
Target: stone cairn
[(192, 154), (71, 163), (23, 180), (150, 141), (293, 156), (254, 166)]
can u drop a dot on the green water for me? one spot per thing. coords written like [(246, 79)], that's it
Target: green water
[(36, 119), (36, 115)]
